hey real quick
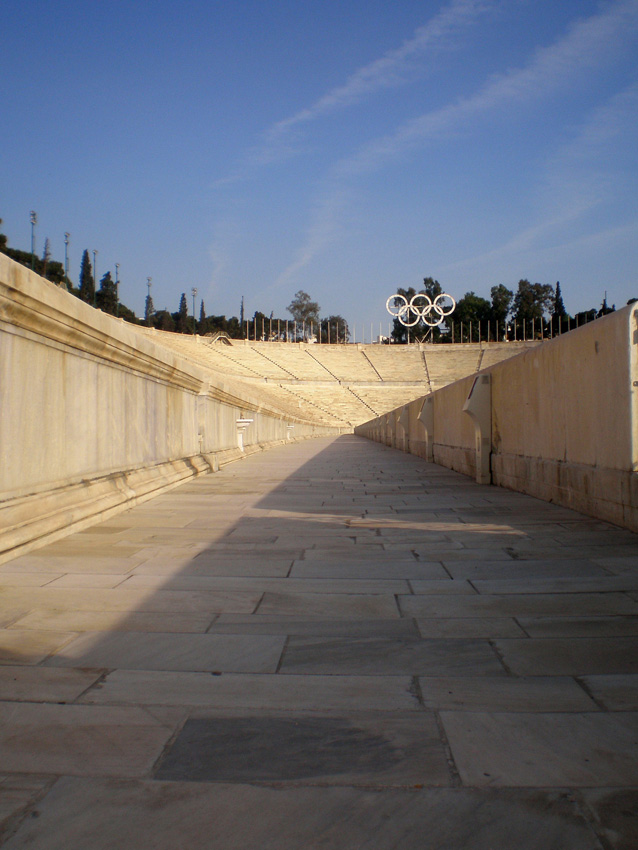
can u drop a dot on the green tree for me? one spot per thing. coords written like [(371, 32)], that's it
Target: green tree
[(303, 309), (182, 316), (431, 288), (471, 312), (560, 320), (46, 256), (163, 320), (202, 318), (87, 284), (106, 296), (532, 300), (334, 329), (559, 307), (502, 298), (149, 310)]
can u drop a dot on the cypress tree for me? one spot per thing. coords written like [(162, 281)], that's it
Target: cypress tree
[(87, 284), (106, 297), (149, 309), (182, 316)]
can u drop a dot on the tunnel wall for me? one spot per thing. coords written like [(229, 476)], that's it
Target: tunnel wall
[(560, 421), (95, 417)]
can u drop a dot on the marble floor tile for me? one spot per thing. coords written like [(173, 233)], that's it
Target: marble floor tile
[(569, 656), (101, 814), (372, 656), (238, 691), (544, 749), (153, 651)]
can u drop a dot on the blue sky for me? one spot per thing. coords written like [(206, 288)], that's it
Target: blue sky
[(259, 147)]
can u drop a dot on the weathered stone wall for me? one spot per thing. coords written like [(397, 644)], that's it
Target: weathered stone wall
[(95, 416), (562, 421)]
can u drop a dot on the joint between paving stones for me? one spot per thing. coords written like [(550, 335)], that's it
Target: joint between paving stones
[(13, 823), (498, 654), (588, 816), (96, 685), (456, 781), (585, 687), (283, 652)]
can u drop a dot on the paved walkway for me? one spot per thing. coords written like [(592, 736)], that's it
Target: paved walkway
[(328, 645)]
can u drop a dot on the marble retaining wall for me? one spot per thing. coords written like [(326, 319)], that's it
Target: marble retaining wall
[(95, 417), (559, 421)]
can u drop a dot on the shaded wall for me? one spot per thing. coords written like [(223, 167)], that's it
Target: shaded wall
[(559, 421), (94, 416)]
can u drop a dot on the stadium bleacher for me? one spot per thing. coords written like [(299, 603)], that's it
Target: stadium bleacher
[(338, 385)]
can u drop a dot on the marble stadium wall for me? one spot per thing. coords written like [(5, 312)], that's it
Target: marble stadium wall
[(559, 421), (95, 417)]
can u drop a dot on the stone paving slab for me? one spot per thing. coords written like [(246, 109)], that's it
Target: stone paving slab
[(236, 691), (575, 627), (544, 749), (515, 605), (24, 646), (600, 584), (228, 565), (373, 566), (150, 651), (102, 814), (256, 584), (615, 692), (79, 740), (508, 569), (373, 749), (94, 621), (385, 656), (119, 599), (330, 605), (470, 627), (510, 652), (31, 684), (41, 562), (19, 579), (569, 657), (498, 693), (289, 625)]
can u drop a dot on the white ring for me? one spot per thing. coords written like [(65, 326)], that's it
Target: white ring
[(431, 313)]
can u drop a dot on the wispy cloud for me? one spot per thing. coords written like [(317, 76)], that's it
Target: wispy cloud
[(588, 43), (395, 68), (322, 231), (391, 69), (581, 177)]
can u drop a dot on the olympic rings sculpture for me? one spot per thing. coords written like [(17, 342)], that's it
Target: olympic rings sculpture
[(421, 306)]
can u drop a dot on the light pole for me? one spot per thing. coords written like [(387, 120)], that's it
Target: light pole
[(117, 289), (194, 294), (34, 221), (94, 276), (67, 237), (149, 283)]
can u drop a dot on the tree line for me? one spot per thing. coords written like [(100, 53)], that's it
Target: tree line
[(303, 323), (533, 311)]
